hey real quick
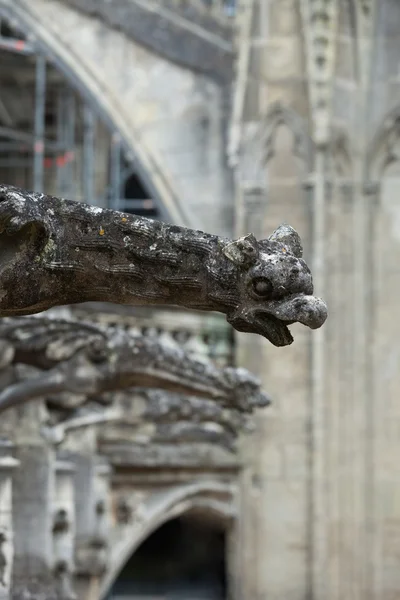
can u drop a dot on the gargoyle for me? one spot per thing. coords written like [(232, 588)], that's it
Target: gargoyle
[(158, 416), (57, 252), (89, 361)]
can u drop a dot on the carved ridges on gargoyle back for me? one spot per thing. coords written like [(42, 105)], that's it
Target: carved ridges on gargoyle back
[(108, 359), (60, 252)]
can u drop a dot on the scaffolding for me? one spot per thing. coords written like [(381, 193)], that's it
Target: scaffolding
[(58, 143)]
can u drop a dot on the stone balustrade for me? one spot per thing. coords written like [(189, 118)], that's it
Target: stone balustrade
[(203, 336)]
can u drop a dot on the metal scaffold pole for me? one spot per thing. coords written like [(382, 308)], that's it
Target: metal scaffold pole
[(39, 124), (60, 142), (70, 121), (88, 155), (115, 171)]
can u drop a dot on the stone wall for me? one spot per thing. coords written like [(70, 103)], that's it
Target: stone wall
[(321, 486)]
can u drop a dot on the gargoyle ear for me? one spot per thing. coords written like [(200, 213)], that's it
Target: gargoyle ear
[(289, 238), (243, 252)]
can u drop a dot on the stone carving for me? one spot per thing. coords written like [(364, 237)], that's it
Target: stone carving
[(58, 252), (3, 559), (279, 114), (143, 416), (63, 577), (124, 511), (163, 407), (384, 147), (62, 569), (342, 153), (61, 522), (88, 361), (99, 540), (320, 22), (162, 417), (366, 6), (157, 431)]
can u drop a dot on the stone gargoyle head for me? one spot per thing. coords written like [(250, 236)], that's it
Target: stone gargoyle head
[(275, 286)]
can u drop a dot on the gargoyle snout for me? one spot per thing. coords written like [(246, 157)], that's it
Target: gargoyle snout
[(315, 313), (308, 310)]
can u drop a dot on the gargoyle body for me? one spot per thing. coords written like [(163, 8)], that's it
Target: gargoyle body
[(89, 361), (57, 252)]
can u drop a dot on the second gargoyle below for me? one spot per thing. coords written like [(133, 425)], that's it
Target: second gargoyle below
[(87, 361)]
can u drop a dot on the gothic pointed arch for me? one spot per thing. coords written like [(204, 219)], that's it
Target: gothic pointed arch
[(383, 148), (92, 84), (259, 141), (341, 153), (281, 114), (210, 497)]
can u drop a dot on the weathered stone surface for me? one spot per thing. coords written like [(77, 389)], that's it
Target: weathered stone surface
[(170, 33), (143, 417), (61, 252), (32, 521), (88, 361)]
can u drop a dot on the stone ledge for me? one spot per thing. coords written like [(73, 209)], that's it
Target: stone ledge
[(159, 456)]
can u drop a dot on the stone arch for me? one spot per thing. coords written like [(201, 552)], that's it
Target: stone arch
[(341, 154), (382, 149), (288, 156), (90, 85), (278, 115), (211, 497), (259, 142)]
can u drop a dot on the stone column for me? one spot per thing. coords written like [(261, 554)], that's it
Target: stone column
[(7, 465), (64, 528), (33, 489), (253, 200), (249, 354), (233, 555), (93, 510)]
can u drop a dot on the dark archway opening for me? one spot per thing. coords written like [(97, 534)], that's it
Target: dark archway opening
[(182, 560), (137, 200)]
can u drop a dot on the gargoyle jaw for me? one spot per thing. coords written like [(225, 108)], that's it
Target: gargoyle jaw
[(272, 320), (262, 323)]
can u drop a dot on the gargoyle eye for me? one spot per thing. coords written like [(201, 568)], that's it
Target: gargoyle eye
[(262, 286)]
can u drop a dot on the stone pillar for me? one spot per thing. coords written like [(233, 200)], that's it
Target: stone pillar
[(249, 354), (383, 406), (64, 529), (253, 200), (93, 522), (234, 560), (7, 465), (33, 489)]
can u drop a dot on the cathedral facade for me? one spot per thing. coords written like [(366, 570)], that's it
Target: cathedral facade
[(231, 117)]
